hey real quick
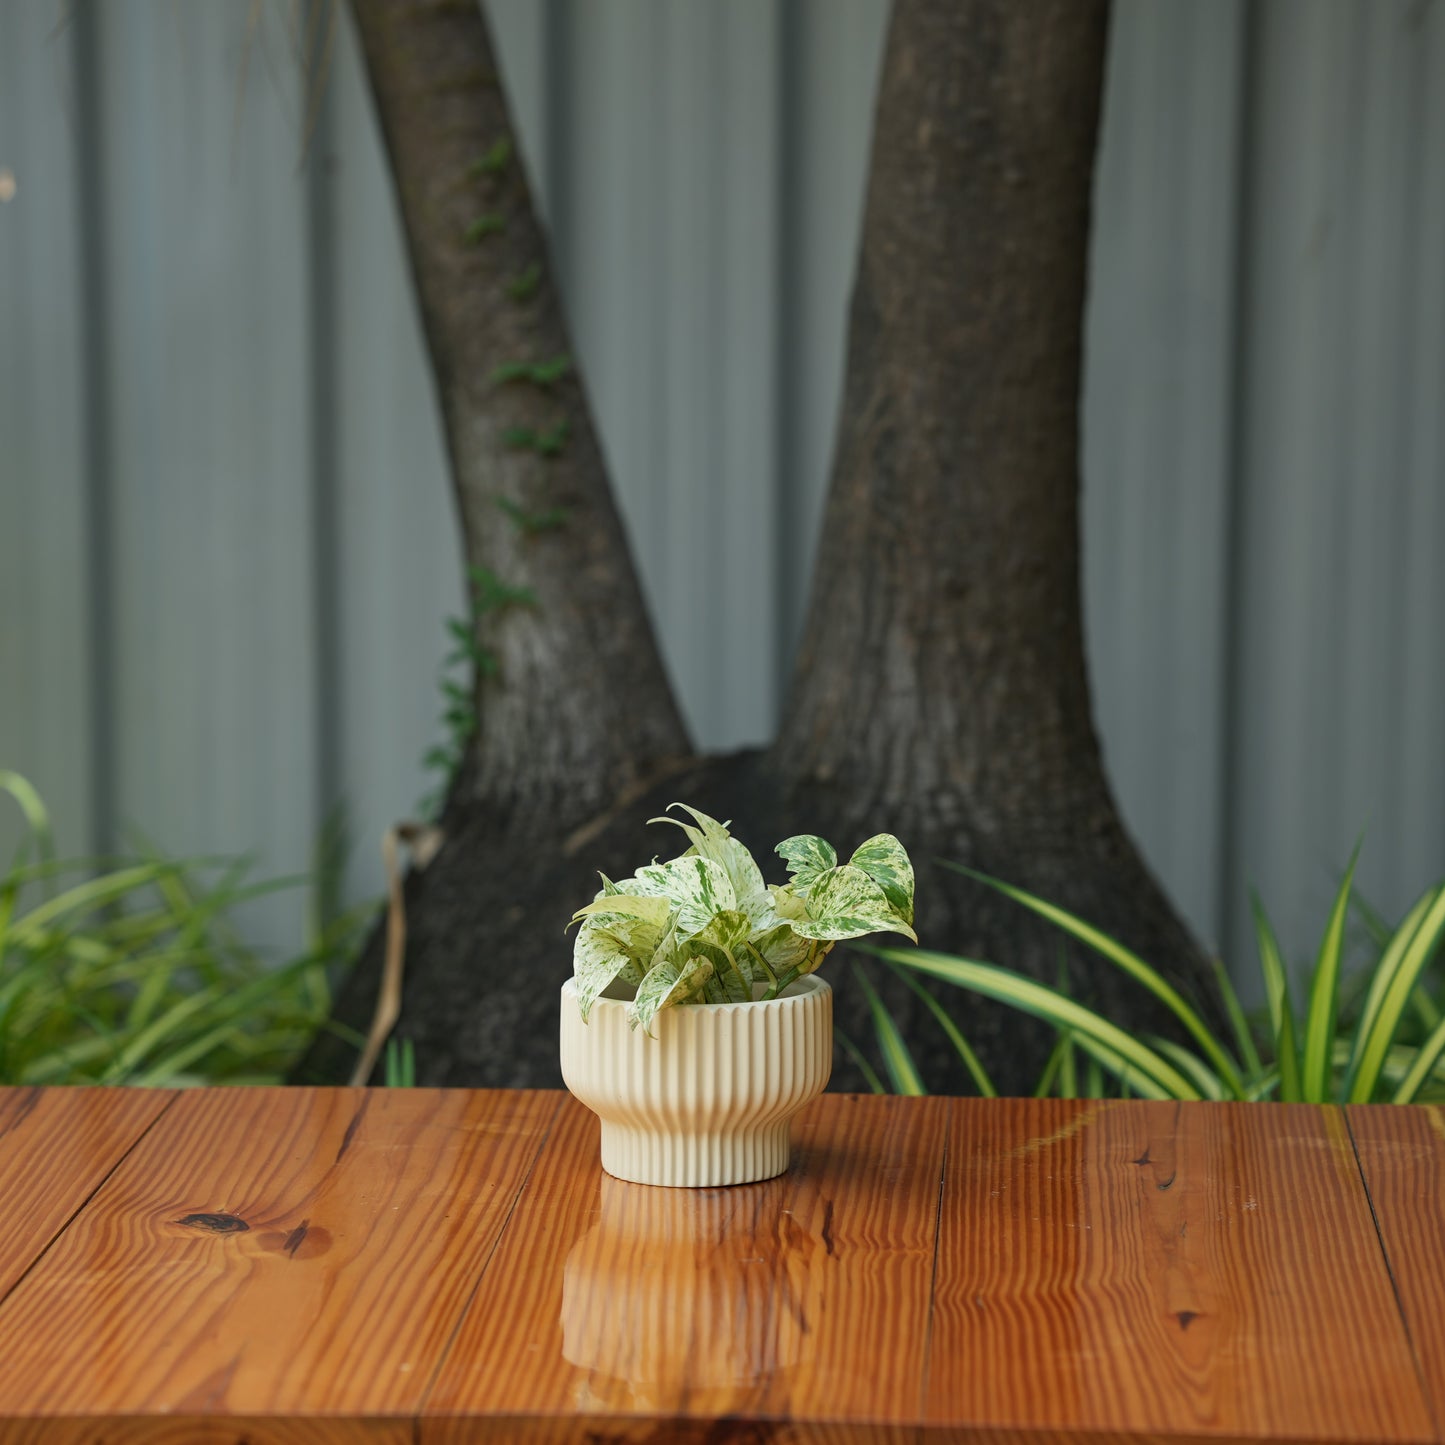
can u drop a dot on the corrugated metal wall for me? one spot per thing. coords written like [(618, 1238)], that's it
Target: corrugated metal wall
[(226, 542)]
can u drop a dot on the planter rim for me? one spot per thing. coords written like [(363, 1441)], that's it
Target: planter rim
[(796, 992)]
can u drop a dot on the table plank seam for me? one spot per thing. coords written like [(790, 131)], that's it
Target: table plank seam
[(933, 1276), (84, 1203), (1420, 1375), (445, 1352)]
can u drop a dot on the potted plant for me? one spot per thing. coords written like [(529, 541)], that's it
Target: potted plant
[(694, 1025)]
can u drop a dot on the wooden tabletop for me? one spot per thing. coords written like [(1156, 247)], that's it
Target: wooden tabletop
[(296, 1265)]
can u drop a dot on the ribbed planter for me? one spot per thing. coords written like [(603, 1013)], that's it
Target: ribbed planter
[(707, 1100)]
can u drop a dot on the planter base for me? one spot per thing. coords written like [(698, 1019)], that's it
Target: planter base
[(644, 1156), (708, 1101)]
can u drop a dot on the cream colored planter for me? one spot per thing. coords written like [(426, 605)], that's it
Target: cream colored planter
[(709, 1098)]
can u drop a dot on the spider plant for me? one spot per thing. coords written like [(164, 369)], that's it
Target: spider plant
[(131, 971), (1314, 1055)]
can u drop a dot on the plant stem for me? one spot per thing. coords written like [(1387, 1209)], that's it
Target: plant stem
[(779, 984), (766, 968)]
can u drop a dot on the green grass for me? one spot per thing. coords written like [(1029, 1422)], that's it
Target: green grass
[(1379, 1037), (132, 970)]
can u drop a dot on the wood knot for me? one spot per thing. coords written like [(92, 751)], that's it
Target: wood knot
[(215, 1223)]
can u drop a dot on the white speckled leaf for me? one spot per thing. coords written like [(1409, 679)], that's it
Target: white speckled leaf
[(667, 982), (787, 903), (611, 946), (808, 858), (885, 860), (783, 947), (650, 910), (846, 903), (711, 839), (720, 943), (760, 911), (725, 929), (772, 934), (697, 887)]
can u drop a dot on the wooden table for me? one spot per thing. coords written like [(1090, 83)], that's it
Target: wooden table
[(414, 1265)]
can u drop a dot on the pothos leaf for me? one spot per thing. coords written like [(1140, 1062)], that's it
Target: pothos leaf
[(784, 949), (667, 982), (697, 888), (725, 929), (808, 858), (773, 936), (787, 903), (885, 860), (705, 927), (610, 946), (760, 911), (720, 943), (649, 910), (846, 903), (711, 839)]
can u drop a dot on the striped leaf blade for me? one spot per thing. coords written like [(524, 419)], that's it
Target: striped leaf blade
[(1281, 1006), (1322, 1019), (1392, 945), (1130, 963), (897, 1060), (1377, 1029), (1426, 1057), (962, 1047), (1046, 1003)]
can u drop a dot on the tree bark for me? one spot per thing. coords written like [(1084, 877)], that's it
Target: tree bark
[(574, 702), (941, 682), (941, 692)]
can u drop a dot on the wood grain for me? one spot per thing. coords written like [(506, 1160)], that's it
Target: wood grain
[(619, 1312), (311, 1267), (271, 1255), (56, 1148), (1402, 1161), (1147, 1271)]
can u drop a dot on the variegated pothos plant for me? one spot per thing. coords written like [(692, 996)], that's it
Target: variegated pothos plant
[(705, 928)]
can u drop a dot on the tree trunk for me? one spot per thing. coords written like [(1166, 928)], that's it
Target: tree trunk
[(941, 683), (941, 691), (574, 703)]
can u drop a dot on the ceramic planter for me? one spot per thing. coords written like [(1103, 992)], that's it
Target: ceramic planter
[(709, 1098)]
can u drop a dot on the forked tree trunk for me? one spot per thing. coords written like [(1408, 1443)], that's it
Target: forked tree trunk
[(941, 691)]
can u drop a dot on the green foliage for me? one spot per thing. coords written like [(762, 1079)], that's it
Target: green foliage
[(491, 594), (870, 1074), (536, 373), (705, 928), (524, 286), (399, 1064), (489, 225), (532, 524), (902, 1071), (131, 971), (545, 441), (467, 661), (1340, 1062), (494, 161)]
